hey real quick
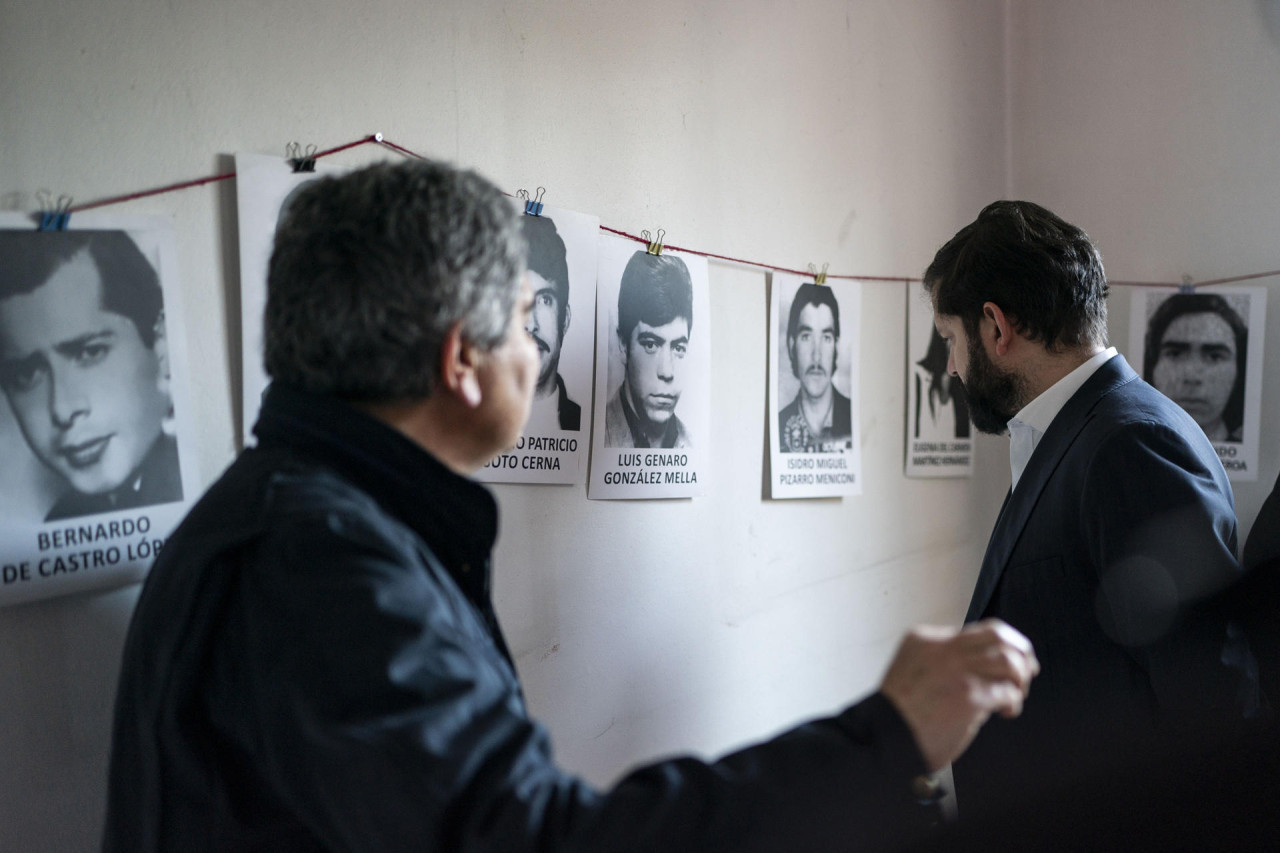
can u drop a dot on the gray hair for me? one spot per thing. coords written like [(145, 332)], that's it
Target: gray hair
[(371, 269)]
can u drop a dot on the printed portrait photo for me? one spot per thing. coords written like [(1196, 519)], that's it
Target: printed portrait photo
[(818, 416), (1196, 354), (1203, 349), (655, 324), (813, 392), (85, 370), (652, 408)]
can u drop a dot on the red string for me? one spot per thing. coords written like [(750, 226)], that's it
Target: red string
[(198, 181), (1230, 280), (377, 137), (897, 279)]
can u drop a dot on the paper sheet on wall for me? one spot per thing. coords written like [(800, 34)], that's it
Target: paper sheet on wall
[(263, 186), (96, 461), (653, 374), (813, 389), (1203, 350), (562, 260), (939, 436)]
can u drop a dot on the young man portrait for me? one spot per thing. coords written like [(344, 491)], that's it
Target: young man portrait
[(655, 319), (1195, 354), (84, 367)]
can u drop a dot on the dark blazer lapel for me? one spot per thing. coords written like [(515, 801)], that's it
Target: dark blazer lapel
[(1062, 432)]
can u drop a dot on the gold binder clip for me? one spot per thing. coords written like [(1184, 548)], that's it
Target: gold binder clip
[(655, 245), (819, 277)]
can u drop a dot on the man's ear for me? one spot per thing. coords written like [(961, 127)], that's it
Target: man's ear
[(999, 326), (459, 362), (564, 327), (622, 345)]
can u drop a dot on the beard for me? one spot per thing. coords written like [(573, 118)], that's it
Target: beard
[(994, 395)]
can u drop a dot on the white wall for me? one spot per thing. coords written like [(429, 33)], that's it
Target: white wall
[(861, 133), (1153, 124)]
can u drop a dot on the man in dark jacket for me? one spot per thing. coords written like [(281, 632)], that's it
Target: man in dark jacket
[(315, 663)]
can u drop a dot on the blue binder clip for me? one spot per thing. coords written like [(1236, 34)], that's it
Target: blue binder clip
[(1187, 285), (54, 217), (533, 206)]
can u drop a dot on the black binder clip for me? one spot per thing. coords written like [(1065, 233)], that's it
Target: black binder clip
[(533, 206), (1187, 286), (54, 217), (819, 277), (300, 160), (655, 245)]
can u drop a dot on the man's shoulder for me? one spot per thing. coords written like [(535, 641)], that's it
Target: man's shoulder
[(617, 432), (790, 409), (569, 411)]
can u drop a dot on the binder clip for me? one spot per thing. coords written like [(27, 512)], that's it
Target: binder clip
[(819, 277), (1187, 286), (300, 160), (533, 206), (54, 217), (655, 245)]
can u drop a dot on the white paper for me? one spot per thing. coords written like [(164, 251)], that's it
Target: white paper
[(106, 405), (263, 184), (813, 390), (939, 436), (666, 364), (553, 448), (1195, 362)]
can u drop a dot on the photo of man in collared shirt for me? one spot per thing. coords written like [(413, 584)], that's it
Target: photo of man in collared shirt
[(818, 419), (548, 322), (655, 319), (84, 367)]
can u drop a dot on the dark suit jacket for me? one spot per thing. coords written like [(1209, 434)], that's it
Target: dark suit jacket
[(1121, 526)]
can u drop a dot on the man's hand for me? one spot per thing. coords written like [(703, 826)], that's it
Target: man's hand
[(946, 683)]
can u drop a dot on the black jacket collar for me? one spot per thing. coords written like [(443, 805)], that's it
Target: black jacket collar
[(455, 516)]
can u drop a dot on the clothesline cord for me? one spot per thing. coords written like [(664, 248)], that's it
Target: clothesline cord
[(378, 139)]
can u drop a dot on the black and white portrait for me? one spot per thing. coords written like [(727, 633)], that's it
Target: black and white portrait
[(938, 430), (95, 465), (818, 419), (813, 358), (655, 324), (1196, 354), (652, 380), (1203, 350), (84, 368), (561, 270), (549, 323)]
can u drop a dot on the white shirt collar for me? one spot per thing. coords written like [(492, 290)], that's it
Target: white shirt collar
[(1029, 425)]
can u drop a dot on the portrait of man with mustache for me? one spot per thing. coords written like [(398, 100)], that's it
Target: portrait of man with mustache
[(547, 324), (819, 419)]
